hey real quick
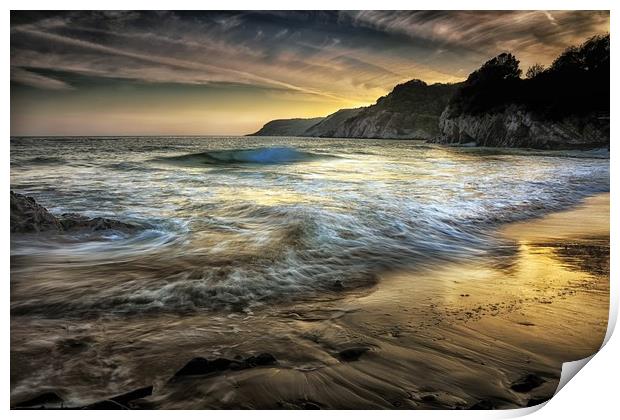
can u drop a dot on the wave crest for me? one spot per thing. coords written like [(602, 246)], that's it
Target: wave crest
[(261, 156)]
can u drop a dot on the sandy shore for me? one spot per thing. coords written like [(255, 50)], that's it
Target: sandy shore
[(489, 334)]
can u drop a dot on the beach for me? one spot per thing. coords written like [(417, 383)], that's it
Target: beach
[(463, 335)]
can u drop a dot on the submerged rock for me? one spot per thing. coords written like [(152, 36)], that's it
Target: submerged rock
[(46, 400), (121, 402), (527, 383), (29, 216), (73, 221), (263, 359), (352, 354), (202, 366)]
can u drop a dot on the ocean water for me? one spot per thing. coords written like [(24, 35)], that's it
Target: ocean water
[(234, 224)]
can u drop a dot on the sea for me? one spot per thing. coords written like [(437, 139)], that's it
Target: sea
[(236, 223)]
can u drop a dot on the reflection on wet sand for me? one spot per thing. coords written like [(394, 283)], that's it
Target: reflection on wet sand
[(474, 334)]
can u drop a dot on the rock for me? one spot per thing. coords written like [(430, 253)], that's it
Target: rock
[(527, 383), (46, 400), (105, 405), (352, 354), (126, 398), (337, 285), (196, 366), (121, 402), (483, 405), (29, 216), (263, 359), (429, 398), (72, 221), (518, 126), (202, 366), (536, 401)]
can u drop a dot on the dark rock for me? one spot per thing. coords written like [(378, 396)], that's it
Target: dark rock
[(429, 398), (483, 405), (196, 366), (105, 405), (29, 216), (202, 366), (46, 400), (352, 354), (121, 402), (72, 221), (263, 359), (74, 344), (527, 383), (536, 401), (337, 285), (126, 398)]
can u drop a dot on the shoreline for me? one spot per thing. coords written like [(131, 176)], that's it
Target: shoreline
[(466, 335)]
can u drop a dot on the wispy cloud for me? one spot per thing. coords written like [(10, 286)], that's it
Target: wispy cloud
[(341, 58), (36, 80)]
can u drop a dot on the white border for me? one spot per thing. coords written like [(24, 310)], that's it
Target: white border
[(592, 394)]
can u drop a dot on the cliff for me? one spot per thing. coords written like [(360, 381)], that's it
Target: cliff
[(290, 127), (410, 111), (563, 107), (330, 125), (519, 126)]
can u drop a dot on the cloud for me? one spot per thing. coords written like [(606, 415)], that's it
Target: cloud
[(350, 57), (36, 80)]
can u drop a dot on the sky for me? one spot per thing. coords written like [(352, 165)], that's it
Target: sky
[(228, 73)]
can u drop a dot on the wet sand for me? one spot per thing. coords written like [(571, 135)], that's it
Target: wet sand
[(477, 334)]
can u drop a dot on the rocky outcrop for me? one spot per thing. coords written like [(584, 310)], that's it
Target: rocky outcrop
[(516, 126), (331, 125), (73, 221), (29, 216), (565, 106), (202, 366), (290, 127), (410, 111)]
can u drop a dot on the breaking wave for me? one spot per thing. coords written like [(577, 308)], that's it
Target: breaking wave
[(260, 156)]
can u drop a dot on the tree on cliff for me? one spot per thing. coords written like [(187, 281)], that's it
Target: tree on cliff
[(534, 70), (577, 82), (489, 86)]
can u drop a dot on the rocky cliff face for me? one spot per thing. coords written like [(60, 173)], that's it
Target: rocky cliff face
[(291, 127), (332, 124), (516, 126), (410, 111), (565, 106)]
